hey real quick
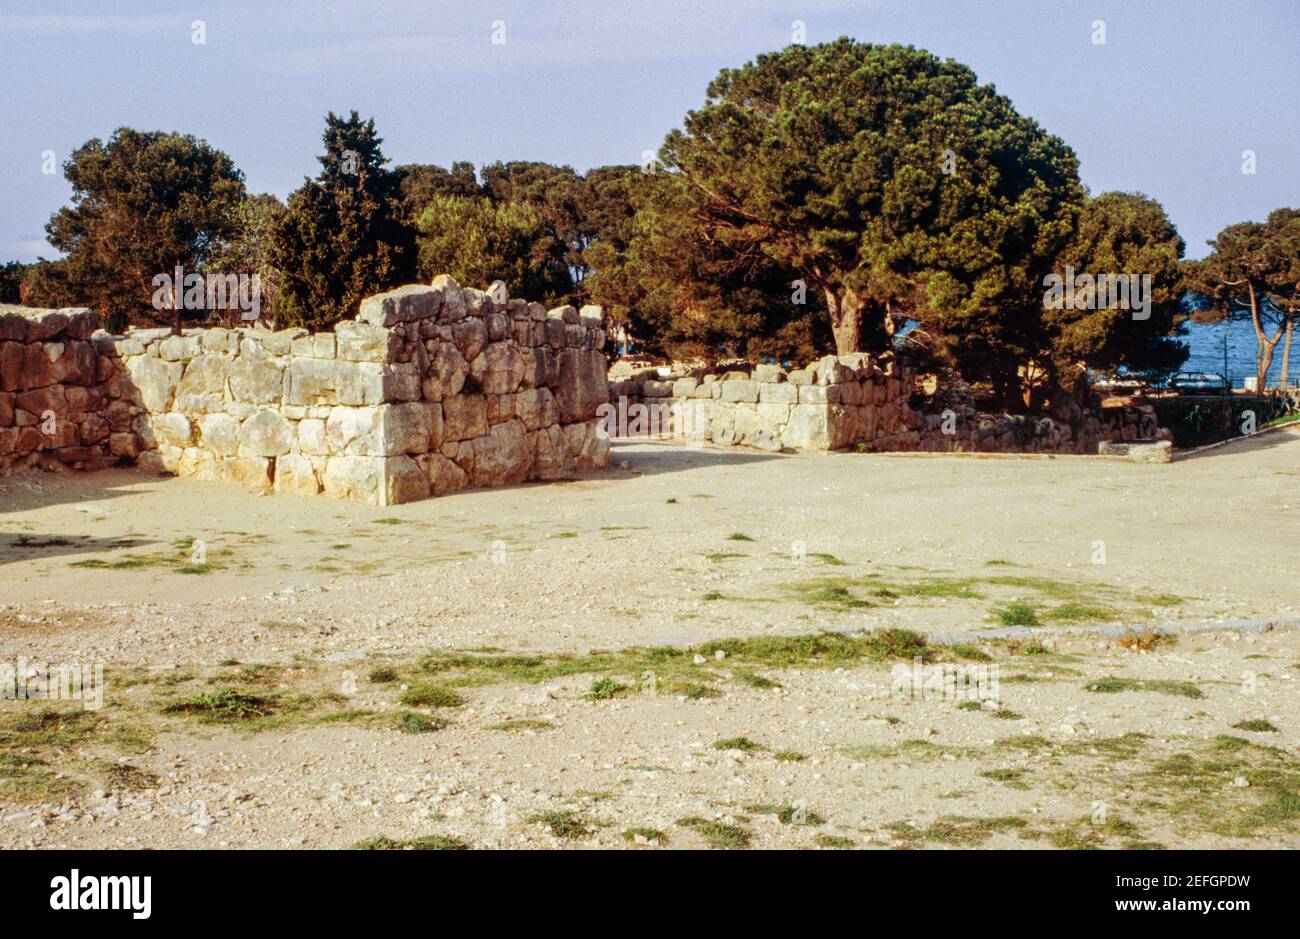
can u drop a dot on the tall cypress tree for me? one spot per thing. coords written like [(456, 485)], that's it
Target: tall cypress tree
[(344, 236)]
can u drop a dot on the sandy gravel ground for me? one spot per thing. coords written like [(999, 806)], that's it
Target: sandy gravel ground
[(296, 602)]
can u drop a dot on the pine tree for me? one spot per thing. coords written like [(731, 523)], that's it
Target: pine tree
[(344, 236)]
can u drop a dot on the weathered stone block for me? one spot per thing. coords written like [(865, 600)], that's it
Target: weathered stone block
[(402, 305)]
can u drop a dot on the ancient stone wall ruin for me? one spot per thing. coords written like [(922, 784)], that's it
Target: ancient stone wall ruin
[(854, 401), (830, 405), (56, 400), (429, 390)]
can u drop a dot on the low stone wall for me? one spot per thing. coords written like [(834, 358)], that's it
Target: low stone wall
[(429, 390), (856, 401), (56, 402), (830, 405)]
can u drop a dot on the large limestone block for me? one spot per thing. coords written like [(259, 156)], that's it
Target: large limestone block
[(444, 475), (464, 417), (536, 408), (325, 381), (366, 342), (312, 437), (550, 454), (178, 348), (498, 369), (202, 388), (256, 379), (740, 390), (501, 458), (471, 338), (377, 480), (783, 393), (446, 374), (295, 474), (583, 384), (172, 428), (320, 345), (154, 380), (387, 430), (588, 449), (219, 433), (251, 472), (809, 428), (265, 434), (413, 302), (197, 463), (75, 363)]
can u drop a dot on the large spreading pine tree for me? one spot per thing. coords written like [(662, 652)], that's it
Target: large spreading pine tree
[(344, 236)]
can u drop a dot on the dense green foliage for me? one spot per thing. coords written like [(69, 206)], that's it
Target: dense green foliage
[(895, 183), (344, 236), (142, 204), (1254, 274)]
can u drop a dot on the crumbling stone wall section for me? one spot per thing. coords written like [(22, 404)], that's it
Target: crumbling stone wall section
[(832, 404), (58, 405), (850, 402), (429, 390)]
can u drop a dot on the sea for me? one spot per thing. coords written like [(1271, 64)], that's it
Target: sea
[(1206, 343)]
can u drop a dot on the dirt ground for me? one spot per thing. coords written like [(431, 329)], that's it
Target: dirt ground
[(490, 668)]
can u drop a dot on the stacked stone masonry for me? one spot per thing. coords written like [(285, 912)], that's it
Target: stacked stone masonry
[(429, 390), (852, 401)]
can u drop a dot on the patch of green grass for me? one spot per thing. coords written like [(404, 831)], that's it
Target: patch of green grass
[(833, 842), (958, 829), (789, 814), (224, 706), (1016, 614), (412, 723), (564, 823), (1158, 599), (946, 588), (743, 744), (1012, 778), (916, 749), (649, 834), (739, 536), (713, 595), (390, 521), (521, 724), (1080, 613), (724, 556), (1256, 725), (429, 694), (425, 843), (1112, 685), (826, 593), (382, 675), (717, 834), (602, 689), (755, 680), (1005, 714), (970, 706), (789, 756)]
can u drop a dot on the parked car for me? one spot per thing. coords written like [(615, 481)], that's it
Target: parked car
[(1198, 383)]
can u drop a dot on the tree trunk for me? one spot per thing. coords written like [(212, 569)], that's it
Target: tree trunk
[(1265, 347), (1286, 352), (846, 320)]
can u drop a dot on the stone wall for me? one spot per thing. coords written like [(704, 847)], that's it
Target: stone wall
[(855, 401), (832, 404), (429, 390), (56, 400)]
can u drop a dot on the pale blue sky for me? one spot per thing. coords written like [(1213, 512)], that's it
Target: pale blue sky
[(1166, 106)]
